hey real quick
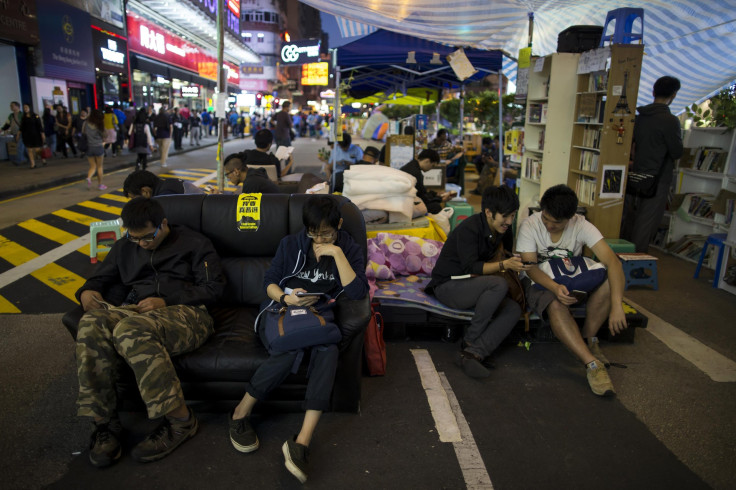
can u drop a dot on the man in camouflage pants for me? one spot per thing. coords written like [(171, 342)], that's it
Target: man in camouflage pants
[(171, 274)]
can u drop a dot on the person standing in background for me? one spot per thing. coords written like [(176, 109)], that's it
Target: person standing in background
[(77, 123), (178, 124), (49, 121), (31, 132), (282, 134), (64, 131), (12, 125), (111, 129), (140, 131), (94, 129), (120, 141), (195, 123), (163, 128)]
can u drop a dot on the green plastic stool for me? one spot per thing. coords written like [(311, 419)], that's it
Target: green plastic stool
[(620, 246), (462, 210), (102, 234)]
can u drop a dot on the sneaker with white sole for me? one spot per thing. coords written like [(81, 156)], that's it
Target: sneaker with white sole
[(104, 445), (169, 435), (598, 379), (242, 435), (595, 349), (295, 459)]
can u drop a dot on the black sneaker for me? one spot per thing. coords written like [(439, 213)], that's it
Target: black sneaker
[(104, 444), (242, 435), (471, 365), (169, 435), (295, 459)]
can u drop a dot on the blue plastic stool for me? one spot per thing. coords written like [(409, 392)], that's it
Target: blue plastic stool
[(624, 20), (102, 234), (647, 262), (716, 240)]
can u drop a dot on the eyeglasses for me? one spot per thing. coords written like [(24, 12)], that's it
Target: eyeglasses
[(322, 236), (227, 174), (144, 239)]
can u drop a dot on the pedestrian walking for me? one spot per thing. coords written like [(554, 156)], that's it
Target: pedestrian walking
[(142, 139), (94, 130), (31, 132), (64, 131), (77, 123), (12, 126), (195, 123), (111, 129), (163, 128), (49, 121), (178, 123)]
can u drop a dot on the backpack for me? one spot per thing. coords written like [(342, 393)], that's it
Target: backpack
[(140, 138)]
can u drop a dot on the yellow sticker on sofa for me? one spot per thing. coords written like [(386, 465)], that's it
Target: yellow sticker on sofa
[(248, 213)]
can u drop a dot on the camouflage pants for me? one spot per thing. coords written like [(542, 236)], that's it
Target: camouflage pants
[(145, 342)]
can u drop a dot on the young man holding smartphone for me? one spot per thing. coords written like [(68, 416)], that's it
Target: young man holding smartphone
[(558, 232)]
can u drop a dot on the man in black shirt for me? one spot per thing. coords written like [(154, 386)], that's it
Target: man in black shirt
[(147, 184), (253, 179), (262, 154), (426, 160)]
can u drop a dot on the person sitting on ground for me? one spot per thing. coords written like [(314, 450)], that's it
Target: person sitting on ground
[(344, 154), (426, 160), (480, 247), (171, 274), (320, 258), (147, 184), (262, 155), (252, 179), (557, 231)]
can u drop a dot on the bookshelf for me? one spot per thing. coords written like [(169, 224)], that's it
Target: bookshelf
[(602, 126), (704, 192), (547, 131)]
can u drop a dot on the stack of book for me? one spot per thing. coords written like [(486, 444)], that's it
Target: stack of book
[(696, 205), (585, 189), (689, 246), (533, 168), (598, 81), (535, 113), (710, 159), (589, 161), (591, 138)]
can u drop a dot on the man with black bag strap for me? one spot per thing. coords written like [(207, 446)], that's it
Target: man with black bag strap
[(657, 144), (318, 261)]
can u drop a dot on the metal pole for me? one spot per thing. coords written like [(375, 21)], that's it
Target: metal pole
[(336, 120), (462, 110), (531, 29), (500, 127), (221, 84)]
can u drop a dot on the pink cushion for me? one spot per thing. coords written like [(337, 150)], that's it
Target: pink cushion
[(390, 254)]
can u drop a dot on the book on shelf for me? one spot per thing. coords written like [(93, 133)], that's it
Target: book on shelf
[(589, 161), (585, 189), (540, 147), (600, 110), (598, 81), (710, 159), (689, 246), (543, 117), (535, 113), (533, 168), (696, 206), (723, 207), (591, 138)]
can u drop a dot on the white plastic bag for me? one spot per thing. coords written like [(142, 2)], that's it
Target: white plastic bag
[(443, 218)]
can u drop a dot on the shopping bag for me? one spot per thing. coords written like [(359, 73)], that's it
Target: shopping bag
[(374, 346), (46, 152)]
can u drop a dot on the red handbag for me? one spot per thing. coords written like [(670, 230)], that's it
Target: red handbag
[(374, 346), (46, 152)]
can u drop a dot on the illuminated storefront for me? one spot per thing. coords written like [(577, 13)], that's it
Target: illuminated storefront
[(111, 67)]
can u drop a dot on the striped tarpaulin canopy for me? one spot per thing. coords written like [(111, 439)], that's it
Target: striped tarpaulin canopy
[(693, 40)]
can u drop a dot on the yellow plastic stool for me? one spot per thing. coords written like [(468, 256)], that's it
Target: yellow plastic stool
[(102, 234)]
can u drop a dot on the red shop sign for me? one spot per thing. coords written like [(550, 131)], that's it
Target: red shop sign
[(155, 42)]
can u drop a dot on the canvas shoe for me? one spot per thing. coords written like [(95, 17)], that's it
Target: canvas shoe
[(169, 435), (242, 435), (595, 349), (104, 445), (295, 459), (472, 365), (598, 379)]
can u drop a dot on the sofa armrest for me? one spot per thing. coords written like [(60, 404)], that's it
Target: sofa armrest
[(352, 316)]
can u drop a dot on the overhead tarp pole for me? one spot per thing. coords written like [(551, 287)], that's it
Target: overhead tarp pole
[(531, 29), (462, 110), (221, 87), (500, 127), (336, 121)]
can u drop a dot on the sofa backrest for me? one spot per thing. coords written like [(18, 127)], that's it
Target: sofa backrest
[(246, 255)]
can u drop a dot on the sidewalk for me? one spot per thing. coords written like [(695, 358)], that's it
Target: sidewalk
[(15, 181)]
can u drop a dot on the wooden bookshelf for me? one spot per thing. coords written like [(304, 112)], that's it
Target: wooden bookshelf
[(547, 131), (602, 125)]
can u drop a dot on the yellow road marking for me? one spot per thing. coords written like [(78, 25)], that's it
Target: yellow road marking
[(192, 171), (115, 197), (101, 207), (53, 275), (47, 231), (7, 307), (82, 219), (182, 177)]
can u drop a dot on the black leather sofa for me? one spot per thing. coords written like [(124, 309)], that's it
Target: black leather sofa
[(217, 371)]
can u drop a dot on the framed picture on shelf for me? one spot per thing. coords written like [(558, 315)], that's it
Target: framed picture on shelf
[(612, 186)]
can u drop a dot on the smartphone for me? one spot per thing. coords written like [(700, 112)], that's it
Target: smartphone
[(301, 294), (580, 296)]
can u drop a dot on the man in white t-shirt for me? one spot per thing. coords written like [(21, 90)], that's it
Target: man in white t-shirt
[(558, 232)]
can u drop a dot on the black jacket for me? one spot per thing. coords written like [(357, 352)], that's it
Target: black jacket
[(430, 198), (183, 270), (165, 187), (256, 180), (467, 248), (658, 141)]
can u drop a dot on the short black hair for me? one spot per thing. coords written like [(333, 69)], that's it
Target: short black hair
[(318, 210), (409, 130), (666, 86), (264, 139), (441, 132), (560, 202), (241, 157), (433, 156), (501, 199), (136, 181), (139, 212), (372, 151), (347, 140), (487, 141)]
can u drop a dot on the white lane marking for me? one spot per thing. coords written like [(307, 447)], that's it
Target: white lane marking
[(439, 405), (717, 366), (471, 463), (49, 257), (16, 273)]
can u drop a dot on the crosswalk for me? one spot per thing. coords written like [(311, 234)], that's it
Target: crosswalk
[(50, 287)]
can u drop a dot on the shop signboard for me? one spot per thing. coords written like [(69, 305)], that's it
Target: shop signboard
[(254, 84), (155, 42), (110, 11), (111, 51), (66, 41), (300, 52), (18, 22), (251, 68), (316, 74), (190, 91), (209, 7)]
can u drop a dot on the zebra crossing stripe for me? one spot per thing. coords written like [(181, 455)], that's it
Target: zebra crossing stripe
[(113, 210), (7, 307), (52, 233), (115, 197), (80, 218)]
